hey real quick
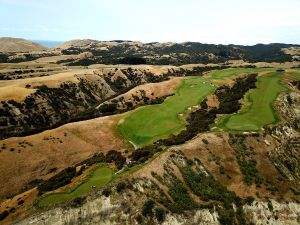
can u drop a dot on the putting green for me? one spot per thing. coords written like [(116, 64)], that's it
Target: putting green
[(151, 123), (258, 109), (98, 178)]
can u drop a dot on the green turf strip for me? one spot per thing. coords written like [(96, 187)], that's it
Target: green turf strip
[(258, 109), (98, 178), (150, 123), (295, 75), (221, 74)]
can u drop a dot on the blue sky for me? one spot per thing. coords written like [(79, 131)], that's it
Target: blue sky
[(207, 21)]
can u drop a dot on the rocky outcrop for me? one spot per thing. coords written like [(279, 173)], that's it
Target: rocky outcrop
[(273, 212), (104, 211)]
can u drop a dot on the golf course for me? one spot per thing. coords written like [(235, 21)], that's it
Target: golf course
[(227, 73), (151, 123), (159, 121), (258, 105), (98, 178)]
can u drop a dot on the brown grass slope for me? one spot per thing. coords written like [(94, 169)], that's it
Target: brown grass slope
[(8, 44)]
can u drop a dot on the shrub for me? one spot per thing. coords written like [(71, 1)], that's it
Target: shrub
[(117, 157), (148, 208), (222, 169), (249, 200), (143, 154), (96, 158), (59, 180), (106, 192), (160, 214), (205, 141), (190, 162), (270, 205), (21, 202), (78, 201), (139, 219), (121, 186), (132, 60), (3, 215), (181, 197)]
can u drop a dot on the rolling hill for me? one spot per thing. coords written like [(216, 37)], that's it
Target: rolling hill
[(8, 44)]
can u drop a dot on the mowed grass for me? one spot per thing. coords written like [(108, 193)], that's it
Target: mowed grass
[(98, 178), (294, 75), (258, 110), (151, 123), (227, 73)]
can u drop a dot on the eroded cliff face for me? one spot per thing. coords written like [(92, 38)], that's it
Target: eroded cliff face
[(124, 210), (273, 212), (286, 157)]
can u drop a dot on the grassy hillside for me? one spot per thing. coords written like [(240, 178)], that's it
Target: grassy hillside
[(19, 45)]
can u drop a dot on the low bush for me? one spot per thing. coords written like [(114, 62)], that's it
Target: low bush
[(160, 214), (249, 200), (3, 215), (107, 192), (115, 156), (78, 201), (120, 186), (148, 208), (61, 179)]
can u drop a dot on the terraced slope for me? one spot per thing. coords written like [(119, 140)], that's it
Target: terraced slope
[(150, 123)]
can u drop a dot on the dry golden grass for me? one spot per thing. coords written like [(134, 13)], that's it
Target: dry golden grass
[(263, 64), (21, 210), (57, 148), (16, 89), (154, 90), (55, 59), (19, 45), (233, 178), (212, 101)]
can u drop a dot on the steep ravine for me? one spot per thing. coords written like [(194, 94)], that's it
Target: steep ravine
[(51, 107), (75, 101)]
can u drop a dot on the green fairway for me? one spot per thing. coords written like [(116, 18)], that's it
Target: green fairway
[(98, 178), (150, 123), (258, 109), (221, 74), (295, 75)]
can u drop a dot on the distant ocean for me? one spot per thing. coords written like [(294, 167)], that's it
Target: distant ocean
[(48, 44)]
